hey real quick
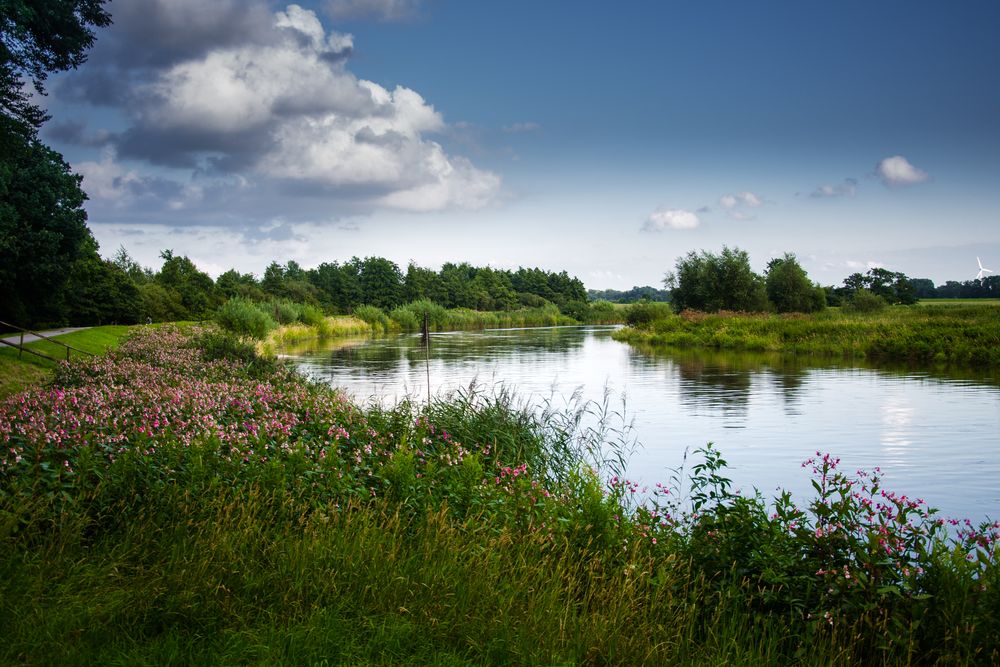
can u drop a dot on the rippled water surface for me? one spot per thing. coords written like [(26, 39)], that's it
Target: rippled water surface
[(935, 435)]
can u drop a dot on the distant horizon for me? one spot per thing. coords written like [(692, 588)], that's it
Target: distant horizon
[(604, 141)]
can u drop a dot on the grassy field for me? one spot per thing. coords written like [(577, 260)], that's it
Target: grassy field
[(182, 500), (960, 334), (23, 371)]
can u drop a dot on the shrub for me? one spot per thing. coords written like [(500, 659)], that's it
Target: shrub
[(863, 301), (374, 316), (312, 316), (285, 312), (244, 318), (644, 312)]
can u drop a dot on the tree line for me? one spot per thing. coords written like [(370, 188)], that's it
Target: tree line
[(634, 295), (712, 282), (121, 290)]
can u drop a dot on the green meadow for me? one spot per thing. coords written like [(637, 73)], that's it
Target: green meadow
[(959, 332)]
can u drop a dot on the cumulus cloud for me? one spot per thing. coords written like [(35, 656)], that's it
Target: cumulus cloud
[(673, 218), (748, 199), (898, 171), (250, 96), (847, 188), (382, 10)]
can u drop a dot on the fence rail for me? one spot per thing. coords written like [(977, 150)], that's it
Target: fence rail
[(22, 349)]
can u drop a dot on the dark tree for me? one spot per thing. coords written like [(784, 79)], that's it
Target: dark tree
[(712, 282), (102, 293), (381, 283), (195, 289), (923, 288), (789, 288), (892, 286), (38, 37), (43, 229)]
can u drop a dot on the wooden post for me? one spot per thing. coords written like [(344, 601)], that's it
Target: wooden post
[(20, 350), (425, 336)]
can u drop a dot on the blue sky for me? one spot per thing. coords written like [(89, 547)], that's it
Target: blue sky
[(606, 139)]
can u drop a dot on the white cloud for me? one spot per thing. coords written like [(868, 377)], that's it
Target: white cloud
[(663, 219), (383, 10), (897, 171), (848, 188), (286, 108), (745, 198)]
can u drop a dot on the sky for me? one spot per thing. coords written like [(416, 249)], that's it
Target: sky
[(604, 139)]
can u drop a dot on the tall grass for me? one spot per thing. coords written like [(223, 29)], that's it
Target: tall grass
[(181, 501), (957, 334)]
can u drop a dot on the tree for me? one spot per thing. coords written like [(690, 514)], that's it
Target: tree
[(712, 282), (381, 283), (195, 289), (102, 293), (136, 272), (38, 37), (891, 286), (43, 228), (923, 288), (789, 288), (420, 283)]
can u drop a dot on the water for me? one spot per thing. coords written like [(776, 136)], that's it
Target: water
[(935, 436)]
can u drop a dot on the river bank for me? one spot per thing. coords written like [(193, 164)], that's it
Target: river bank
[(183, 496), (948, 334)]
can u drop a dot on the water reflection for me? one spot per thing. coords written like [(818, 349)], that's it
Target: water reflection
[(934, 432)]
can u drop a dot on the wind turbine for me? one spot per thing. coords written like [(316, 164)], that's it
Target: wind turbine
[(982, 270)]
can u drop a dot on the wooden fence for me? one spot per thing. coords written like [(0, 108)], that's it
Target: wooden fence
[(22, 349)]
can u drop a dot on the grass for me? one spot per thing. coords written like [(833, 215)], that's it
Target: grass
[(184, 501), (19, 372), (949, 334)]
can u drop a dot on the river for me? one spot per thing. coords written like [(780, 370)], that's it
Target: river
[(934, 434)]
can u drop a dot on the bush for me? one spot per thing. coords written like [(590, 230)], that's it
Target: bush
[(437, 316), (644, 312), (285, 312), (312, 316), (244, 318), (863, 301), (405, 318), (374, 316)]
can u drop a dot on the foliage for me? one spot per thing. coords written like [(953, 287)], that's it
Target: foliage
[(961, 334), (892, 286), (789, 288), (43, 229), (865, 301), (645, 312), (195, 289), (244, 318), (645, 293), (374, 316), (711, 282), (176, 497), (40, 37)]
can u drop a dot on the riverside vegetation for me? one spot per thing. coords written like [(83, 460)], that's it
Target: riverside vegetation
[(280, 322), (948, 334), (182, 499)]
